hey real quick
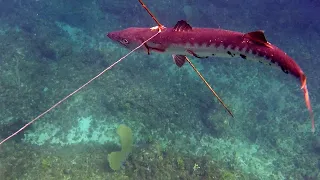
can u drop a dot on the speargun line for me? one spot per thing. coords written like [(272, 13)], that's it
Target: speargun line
[(77, 90)]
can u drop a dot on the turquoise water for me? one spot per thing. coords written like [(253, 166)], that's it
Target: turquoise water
[(180, 131)]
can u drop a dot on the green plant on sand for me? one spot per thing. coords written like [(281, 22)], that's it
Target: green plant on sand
[(116, 158)]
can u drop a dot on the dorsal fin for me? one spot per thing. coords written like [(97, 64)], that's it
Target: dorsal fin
[(257, 36), (182, 25)]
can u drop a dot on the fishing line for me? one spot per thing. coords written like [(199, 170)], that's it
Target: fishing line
[(77, 90)]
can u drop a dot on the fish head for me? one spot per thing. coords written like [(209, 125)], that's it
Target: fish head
[(130, 38)]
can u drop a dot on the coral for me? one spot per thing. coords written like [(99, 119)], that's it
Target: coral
[(116, 158), (126, 140), (180, 162)]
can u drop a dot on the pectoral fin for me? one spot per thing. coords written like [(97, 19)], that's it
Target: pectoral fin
[(179, 59)]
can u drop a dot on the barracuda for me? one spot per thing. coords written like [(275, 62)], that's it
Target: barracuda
[(183, 40)]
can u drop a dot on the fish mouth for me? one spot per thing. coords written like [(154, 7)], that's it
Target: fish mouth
[(113, 36), (110, 35)]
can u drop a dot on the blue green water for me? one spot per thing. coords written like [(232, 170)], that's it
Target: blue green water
[(50, 48)]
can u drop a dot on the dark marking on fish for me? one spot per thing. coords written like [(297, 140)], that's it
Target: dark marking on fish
[(284, 70), (196, 55), (232, 55), (243, 56)]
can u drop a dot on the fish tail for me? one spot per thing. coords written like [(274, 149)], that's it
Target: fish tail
[(307, 100)]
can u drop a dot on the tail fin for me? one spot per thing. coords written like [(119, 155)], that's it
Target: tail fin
[(307, 99)]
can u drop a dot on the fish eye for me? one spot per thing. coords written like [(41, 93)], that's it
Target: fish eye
[(124, 41)]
